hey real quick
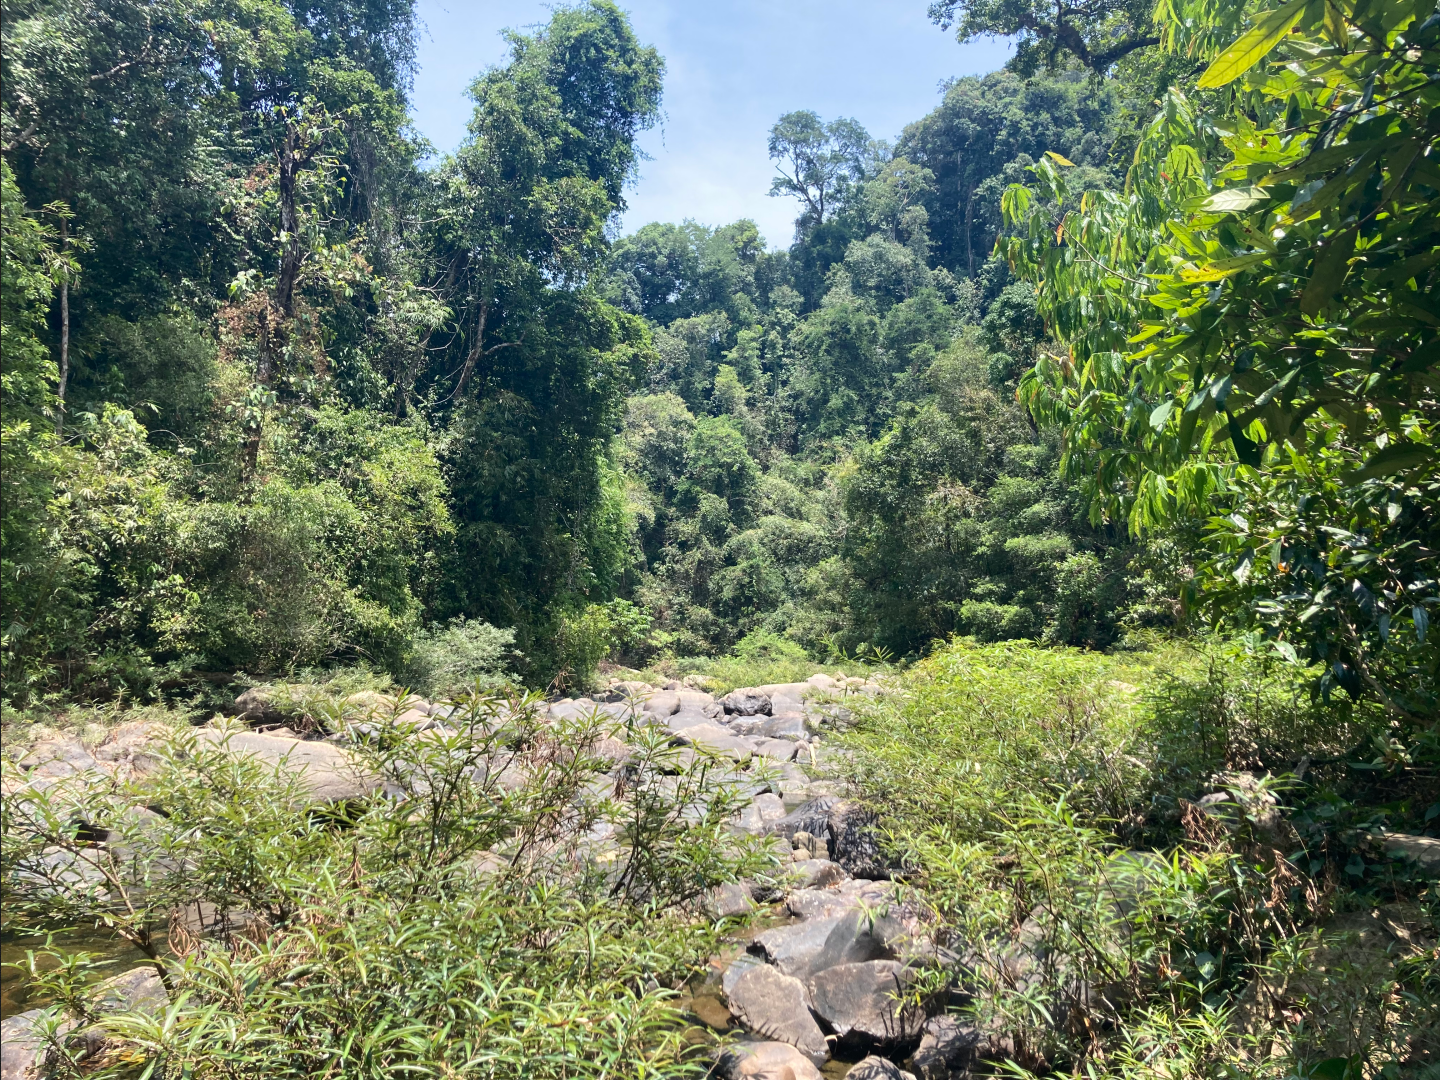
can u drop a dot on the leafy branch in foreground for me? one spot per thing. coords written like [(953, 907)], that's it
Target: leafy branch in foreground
[(1250, 331)]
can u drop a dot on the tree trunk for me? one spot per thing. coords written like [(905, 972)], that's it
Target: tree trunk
[(64, 334)]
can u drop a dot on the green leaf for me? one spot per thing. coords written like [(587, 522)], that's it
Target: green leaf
[(1247, 451), (1393, 459), (1328, 275), (1233, 200), (1160, 414), (1223, 268), (1252, 46)]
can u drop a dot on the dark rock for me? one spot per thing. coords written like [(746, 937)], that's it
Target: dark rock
[(746, 702), (861, 1003), (847, 828), (946, 1046), (877, 1068), (773, 1006)]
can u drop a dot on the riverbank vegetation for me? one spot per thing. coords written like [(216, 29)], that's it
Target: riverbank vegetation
[(1093, 418)]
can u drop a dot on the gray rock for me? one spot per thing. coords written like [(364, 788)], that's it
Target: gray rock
[(861, 1003), (815, 874), (742, 963), (765, 1061), (325, 771), (717, 740), (776, 749), (877, 1068), (728, 900), (763, 809), (661, 703), (812, 946), (773, 1006), (946, 1046), (746, 702), (697, 701), (57, 758), (688, 719), (789, 725), (1423, 852), (257, 706), (22, 1048)]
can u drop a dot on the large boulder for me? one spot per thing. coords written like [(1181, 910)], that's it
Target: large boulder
[(877, 1068), (746, 702), (773, 1006), (807, 948), (765, 1061), (661, 703), (863, 1004), (1422, 852), (326, 772)]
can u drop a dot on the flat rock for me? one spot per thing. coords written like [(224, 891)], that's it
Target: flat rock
[(1421, 851), (689, 718), (136, 990), (57, 758), (786, 725), (776, 749), (326, 772), (716, 739), (21, 1046), (773, 1006), (860, 1003), (765, 1061)]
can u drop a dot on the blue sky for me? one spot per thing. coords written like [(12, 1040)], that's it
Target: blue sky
[(733, 66)]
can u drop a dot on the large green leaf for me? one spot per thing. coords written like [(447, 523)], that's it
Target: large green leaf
[(1252, 46)]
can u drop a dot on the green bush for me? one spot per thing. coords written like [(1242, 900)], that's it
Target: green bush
[(462, 655)]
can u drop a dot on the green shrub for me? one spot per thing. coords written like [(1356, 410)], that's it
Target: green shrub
[(447, 661)]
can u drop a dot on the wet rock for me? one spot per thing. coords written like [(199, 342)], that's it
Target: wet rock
[(877, 1068), (773, 1006), (946, 1046), (325, 771), (746, 702), (861, 1003), (765, 1061)]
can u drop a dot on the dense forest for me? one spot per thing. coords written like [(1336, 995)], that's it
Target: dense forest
[(1088, 424)]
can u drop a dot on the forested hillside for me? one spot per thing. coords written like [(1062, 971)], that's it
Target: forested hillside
[(987, 629), (284, 392)]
